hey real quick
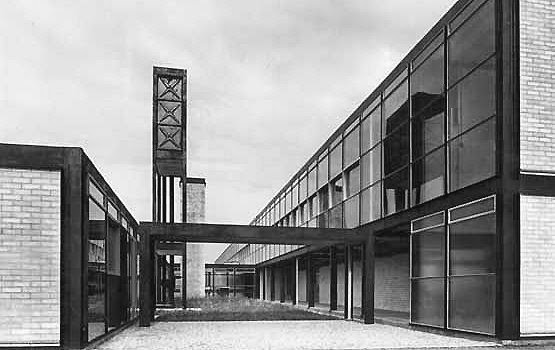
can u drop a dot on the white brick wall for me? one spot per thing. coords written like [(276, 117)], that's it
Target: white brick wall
[(537, 265), (29, 256), (537, 85)]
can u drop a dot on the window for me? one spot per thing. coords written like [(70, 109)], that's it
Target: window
[(337, 191), (336, 164), (323, 199), (472, 156), (472, 42), (95, 193), (396, 109), (396, 149), (371, 203), (427, 81), (303, 187), (428, 177), (473, 99), (336, 216), (352, 147), (96, 267), (371, 129), (351, 212), (312, 181), (427, 129), (288, 201), (371, 166), (396, 193), (313, 206), (323, 171), (302, 217), (295, 195), (353, 181)]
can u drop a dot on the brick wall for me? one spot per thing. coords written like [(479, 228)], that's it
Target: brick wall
[(196, 212), (537, 265), (392, 283), (537, 85), (29, 256)]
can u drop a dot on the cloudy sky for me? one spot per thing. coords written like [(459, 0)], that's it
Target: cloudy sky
[(269, 81)]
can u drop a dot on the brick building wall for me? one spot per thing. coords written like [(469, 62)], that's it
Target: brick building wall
[(537, 265), (392, 282), (537, 86), (196, 212), (29, 256)]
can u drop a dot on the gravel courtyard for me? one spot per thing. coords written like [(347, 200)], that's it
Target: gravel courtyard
[(280, 335)]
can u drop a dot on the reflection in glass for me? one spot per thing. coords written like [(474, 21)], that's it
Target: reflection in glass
[(336, 164), (96, 271), (396, 150), (371, 130), (472, 43), (428, 253), (337, 191), (302, 189), (427, 301), (312, 181), (427, 129), (323, 171), (356, 252), (427, 81), (472, 303), (473, 99), (351, 212), (396, 109), (323, 199), (396, 192), (371, 166), (336, 216), (466, 210), (428, 177), (353, 181), (313, 206), (472, 246), (351, 146), (113, 276), (340, 263), (472, 156), (371, 208)]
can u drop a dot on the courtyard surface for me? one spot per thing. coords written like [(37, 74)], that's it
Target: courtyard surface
[(240, 323)]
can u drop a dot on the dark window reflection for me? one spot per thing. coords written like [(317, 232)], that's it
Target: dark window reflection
[(427, 301), (337, 191), (428, 253), (351, 213), (396, 149), (370, 206), (427, 81), (371, 166), (472, 246), (472, 43), (336, 216), (396, 109), (472, 303), (396, 192), (428, 177), (473, 99), (472, 156), (96, 271), (114, 280), (323, 198)]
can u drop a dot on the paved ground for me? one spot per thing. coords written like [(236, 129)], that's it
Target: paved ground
[(280, 335)]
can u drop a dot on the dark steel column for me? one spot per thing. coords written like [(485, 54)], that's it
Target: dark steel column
[(172, 199), (171, 281), (368, 259), (333, 278), (347, 303), (146, 287), (184, 276), (309, 281)]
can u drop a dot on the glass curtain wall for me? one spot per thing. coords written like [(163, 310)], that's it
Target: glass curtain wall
[(453, 273)]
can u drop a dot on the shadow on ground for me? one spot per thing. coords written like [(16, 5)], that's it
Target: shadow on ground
[(235, 309)]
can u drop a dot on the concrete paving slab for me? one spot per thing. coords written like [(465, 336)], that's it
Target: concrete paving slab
[(281, 335)]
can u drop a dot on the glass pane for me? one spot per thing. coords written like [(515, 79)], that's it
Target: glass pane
[(472, 303), (472, 100), (95, 192), (371, 130), (396, 82), (288, 201), (428, 177), (427, 129), (313, 203), (396, 192), (371, 208), (371, 166), (396, 149), (312, 181), (438, 40), (323, 220), (295, 195), (427, 301), (303, 189), (472, 156), (352, 147), (96, 271), (351, 212), (427, 81), (472, 43), (112, 211), (323, 199), (396, 109), (472, 246), (464, 14), (337, 191), (428, 253), (323, 172), (336, 216), (353, 181), (428, 221), (466, 210), (336, 164), (113, 276)]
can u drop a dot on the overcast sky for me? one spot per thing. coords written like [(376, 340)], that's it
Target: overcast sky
[(269, 81)]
